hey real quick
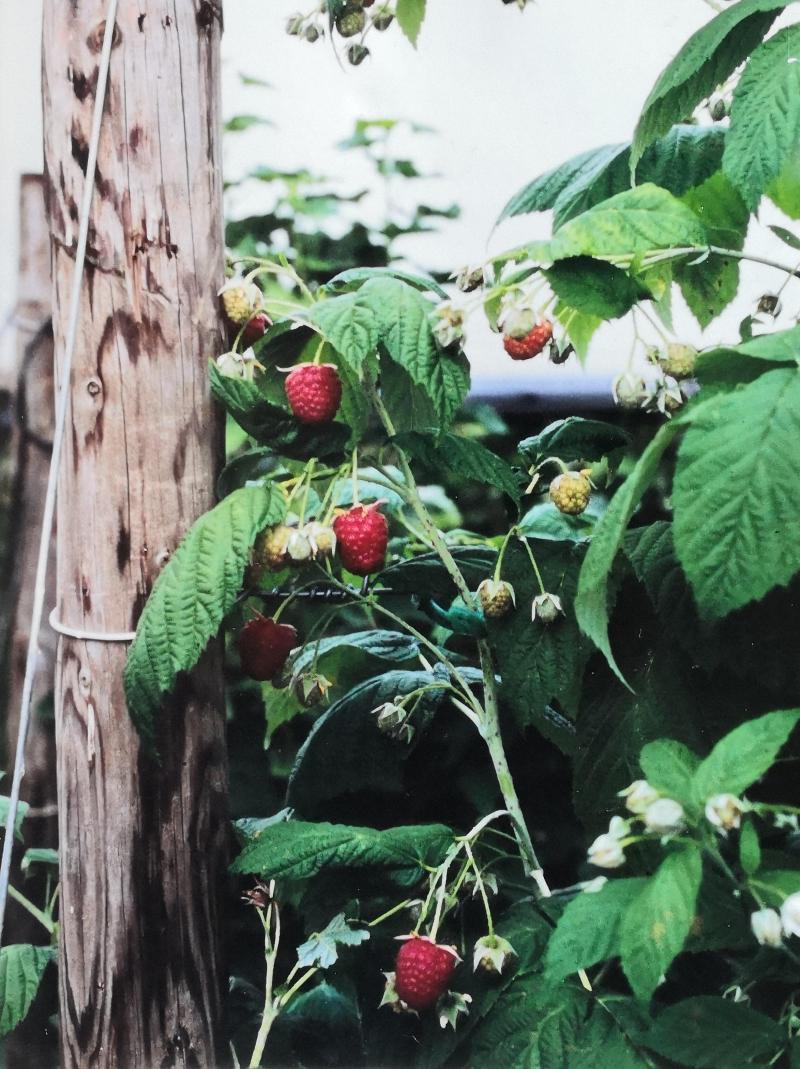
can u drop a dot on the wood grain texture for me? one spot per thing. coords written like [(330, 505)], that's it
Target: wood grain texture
[(142, 845)]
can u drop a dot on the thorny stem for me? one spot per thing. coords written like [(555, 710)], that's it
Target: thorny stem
[(489, 714)]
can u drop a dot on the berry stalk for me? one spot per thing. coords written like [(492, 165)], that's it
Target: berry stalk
[(489, 713)]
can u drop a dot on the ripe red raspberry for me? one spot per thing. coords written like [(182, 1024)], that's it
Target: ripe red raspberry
[(532, 344), (314, 392), (362, 535), (422, 971), (256, 328), (264, 646)]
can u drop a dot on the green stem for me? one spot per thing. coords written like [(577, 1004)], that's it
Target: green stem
[(47, 922), (534, 565), (287, 995), (481, 888), (494, 743), (271, 1007), (390, 912)]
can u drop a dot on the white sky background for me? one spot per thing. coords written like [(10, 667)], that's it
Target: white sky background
[(511, 94)]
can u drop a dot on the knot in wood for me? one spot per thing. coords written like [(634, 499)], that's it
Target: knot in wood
[(94, 41), (93, 387)]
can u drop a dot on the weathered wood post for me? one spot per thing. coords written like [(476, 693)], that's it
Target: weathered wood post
[(142, 843)]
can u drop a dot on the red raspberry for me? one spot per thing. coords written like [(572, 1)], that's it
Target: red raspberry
[(422, 971), (264, 646), (532, 344), (256, 328), (362, 535), (314, 392)]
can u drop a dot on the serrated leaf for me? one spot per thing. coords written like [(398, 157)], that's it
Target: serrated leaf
[(321, 948), (540, 663), (591, 600), (685, 157), (297, 850), (464, 458), (579, 327), (705, 61), (656, 925), (574, 439), (744, 755), (331, 655), (669, 766), (765, 119), (21, 969), (630, 224), (346, 753), (426, 574), (709, 287), (594, 287), (356, 276), (714, 1033), (736, 493), (350, 324), (588, 931), (191, 596), (410, 15)]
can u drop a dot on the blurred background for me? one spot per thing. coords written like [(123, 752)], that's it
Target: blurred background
[(492, 97)]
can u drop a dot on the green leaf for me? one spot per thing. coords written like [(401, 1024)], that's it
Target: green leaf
[(573, 439), (785, 190), (579, 327), (540, 663), (321, 949), (427, 575), (710, 286), (765, 119), (615, 724), (19, 816), (350, 324), (356, 276), (410, 15), (685, 157), (346, 753), (592, 598), (464, 458), (342, 657), (588, 931), (714, 1033), (782, 346), (736, 493), (296, 850), (594, 287), (705, 61), (191, 596), (629, 224), (749, 849), (38, 855), (669, 766), (656, 925), (743, 755), (21, 969)]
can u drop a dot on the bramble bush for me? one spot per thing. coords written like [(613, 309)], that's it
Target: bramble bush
[(424, 676)]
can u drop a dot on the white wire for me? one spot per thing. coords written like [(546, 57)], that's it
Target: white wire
[(55, 460), (89, 636)]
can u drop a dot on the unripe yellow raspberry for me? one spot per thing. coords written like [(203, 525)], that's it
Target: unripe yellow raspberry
[(271, 548), (570, 492), (679, 360), (241, 301), (496, 598)]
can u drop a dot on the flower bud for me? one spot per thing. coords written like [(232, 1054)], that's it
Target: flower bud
[(451, 1005), (547, 608), (449, 326), (629, 390), (235, 365), (665, 397), (664, 816), (492, 953), (639, 796), (766, 925), (606, 852), (393, 721), (298, 547), (468, 278), (311, 689), (790, 914), (312, 34), (769, 304), (322, 539), (724, 811), (356, 54)]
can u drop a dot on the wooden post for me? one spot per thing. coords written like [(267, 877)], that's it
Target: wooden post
[(142, 844), (33, 408)]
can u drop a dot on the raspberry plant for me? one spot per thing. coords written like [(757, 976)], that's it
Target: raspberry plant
[(634, 621)]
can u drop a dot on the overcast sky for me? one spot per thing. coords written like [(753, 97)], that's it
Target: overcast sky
[(510, 93)]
